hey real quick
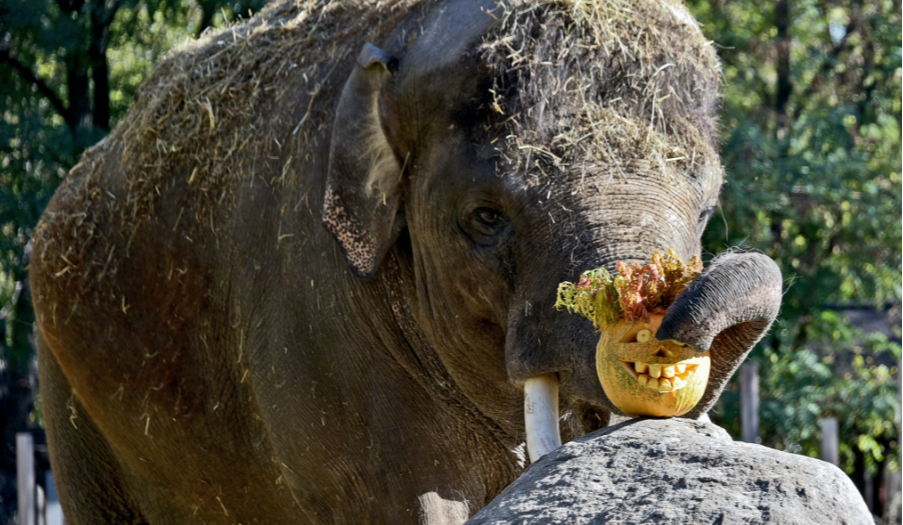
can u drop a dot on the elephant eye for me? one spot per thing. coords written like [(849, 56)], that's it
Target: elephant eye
[(484, 225), (488, 217)]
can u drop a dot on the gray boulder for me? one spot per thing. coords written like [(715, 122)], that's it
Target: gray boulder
[(675, 471)]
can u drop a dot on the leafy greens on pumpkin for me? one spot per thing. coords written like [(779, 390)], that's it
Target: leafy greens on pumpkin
[(633, 294)]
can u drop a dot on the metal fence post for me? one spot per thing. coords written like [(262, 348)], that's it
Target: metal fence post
[(895, 495), (830, 440), (54, 510), (749, 402), (25, 478)]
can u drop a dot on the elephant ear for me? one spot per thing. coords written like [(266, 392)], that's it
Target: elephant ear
[(364, 177)]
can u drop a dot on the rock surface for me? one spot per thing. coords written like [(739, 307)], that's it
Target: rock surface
[(675, 471)]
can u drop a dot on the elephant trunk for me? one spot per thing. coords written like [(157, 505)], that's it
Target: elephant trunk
[(727, 309)]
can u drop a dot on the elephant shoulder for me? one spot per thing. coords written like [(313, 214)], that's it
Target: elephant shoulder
[(101, 265)]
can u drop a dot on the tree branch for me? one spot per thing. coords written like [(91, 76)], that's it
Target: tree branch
[(70, 6), (29, 76), (784, 87), (101, 18), (103, 14), (208, 9), (899, 119)]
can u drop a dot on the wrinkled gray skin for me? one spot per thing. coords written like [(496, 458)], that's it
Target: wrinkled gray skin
[(331, 354)]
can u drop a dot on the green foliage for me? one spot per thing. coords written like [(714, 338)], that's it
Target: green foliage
[(856, 387), (633, 294), (594, 297), (812, 146)]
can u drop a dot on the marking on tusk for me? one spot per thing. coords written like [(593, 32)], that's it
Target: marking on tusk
[(541, 415)]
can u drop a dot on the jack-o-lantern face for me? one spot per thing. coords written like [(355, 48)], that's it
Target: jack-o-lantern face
[(643, 376)]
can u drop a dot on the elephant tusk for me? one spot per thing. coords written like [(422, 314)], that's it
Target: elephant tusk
[(541, 415)]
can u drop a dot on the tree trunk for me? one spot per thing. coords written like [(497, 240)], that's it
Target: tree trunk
[(101, 18), (208, 9), (864, 105), (784, 83), (78, 113)]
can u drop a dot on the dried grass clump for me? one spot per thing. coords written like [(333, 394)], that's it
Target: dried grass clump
[(604, 86), (250, 102), (216, 109), (634, 294)]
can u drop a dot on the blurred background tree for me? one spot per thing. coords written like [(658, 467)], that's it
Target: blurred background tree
[(68, 71), (811, 142)]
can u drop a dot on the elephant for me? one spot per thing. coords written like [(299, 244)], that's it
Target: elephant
[(310, 277)]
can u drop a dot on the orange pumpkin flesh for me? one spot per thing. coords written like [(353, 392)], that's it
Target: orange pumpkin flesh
[(627, 370)]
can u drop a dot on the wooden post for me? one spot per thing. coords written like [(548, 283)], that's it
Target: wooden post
[(830, 440), (41, 499), (894, 495), (54, 510), (749, 402), (25, 478), (868, 490)]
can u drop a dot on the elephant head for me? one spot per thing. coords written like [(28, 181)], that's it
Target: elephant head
[(507, 149)]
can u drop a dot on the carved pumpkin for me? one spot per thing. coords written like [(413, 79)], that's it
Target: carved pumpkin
[(643, 376)]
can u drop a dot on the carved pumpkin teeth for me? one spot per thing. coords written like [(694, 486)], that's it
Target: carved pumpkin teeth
[(663, 383), (659, 377)]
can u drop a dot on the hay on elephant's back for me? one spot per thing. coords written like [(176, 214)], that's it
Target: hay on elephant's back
[(252, 100), (215, 108), (604, 85)]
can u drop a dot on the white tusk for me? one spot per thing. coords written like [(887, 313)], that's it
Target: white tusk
[(541, 415)]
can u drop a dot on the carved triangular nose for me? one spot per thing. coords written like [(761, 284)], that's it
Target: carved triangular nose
[(662, 352)]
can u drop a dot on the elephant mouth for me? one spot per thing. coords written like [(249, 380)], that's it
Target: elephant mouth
[(661, 377), (541, 413)]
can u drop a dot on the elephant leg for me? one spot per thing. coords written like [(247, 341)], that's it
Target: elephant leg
[(88, 476)]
